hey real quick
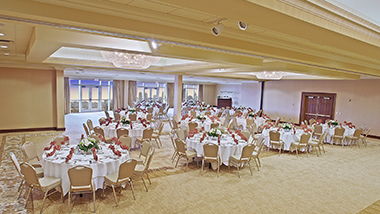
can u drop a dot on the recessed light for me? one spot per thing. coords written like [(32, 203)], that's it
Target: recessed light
[(3, 46), (2, 34), (7, 54)]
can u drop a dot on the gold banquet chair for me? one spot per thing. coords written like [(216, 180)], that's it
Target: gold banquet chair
[(338, 135), (317, 131), (44, 184), (211, 153), (100, 131), (141, 170), (274, 139), (354, 138), (192, 126), (363, 137), (30, 152), (183, 152), (81, 182), (147, 136), (18, 168), (175, 153), (303, 142), (121, 131), (144, 151), (256, 152), (245, 156), (126, 140), (156, 135), (90, 125), (314, 143), (86, 129), (124, 175)]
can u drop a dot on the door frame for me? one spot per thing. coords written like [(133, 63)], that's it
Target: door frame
[(304, 94), (90, 109)]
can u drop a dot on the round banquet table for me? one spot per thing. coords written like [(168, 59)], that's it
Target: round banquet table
[(206, 124), (331, 130), (287, 137), (107, 163), (243, 121), (227, 146)]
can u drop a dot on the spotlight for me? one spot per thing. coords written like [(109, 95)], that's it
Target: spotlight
[(217, 29), (242, 25), (154, 45)]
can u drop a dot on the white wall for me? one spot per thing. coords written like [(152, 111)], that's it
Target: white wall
[(236, 88)]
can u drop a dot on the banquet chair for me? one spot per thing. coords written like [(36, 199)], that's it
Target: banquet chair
[(160, 112), (90, 125), (274, 139), (192, 126), (44, 184), (303, 142), (133, 117), (126, 140), (150, 110), (246, 133), (147, 136), (61, 138), (181, 134), (144, 151), (86, 129), (193, 113), (102, 120), (207, 113), (230, 125), (121, 131), (149, 117), (214, 125), (116, 117), (354, 138), (210, 153), (165, 113), (18, 168), (140, 170), (107, 114), (123, 175), (81, 182), (30, 152), (317, 131), (277, 122), (256, 152), (175, 153), (236, 125), (220, 113), (96, 136), (249, 121), (156, 135), (338, 135), (306, 123), (245, 156), (100, 131), (311, 121), (363, 137), (318, 143), (183, 152), (253, 128)]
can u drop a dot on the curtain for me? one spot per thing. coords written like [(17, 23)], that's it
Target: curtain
[(131, 93), (67, 95), (170, 93), (118, 95), (200, 93)]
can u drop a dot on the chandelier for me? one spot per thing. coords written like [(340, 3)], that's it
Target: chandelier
[(270, 75), (129, 60)]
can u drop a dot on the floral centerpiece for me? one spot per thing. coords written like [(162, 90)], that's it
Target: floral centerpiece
[(125, 121), (133, 110), (202, 108), (252, 114), (87, 143), (240, 108), (287, 126), (201, 117), (332, 123), (214, 132)]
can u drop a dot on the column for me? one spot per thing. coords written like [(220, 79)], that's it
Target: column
[(177, 96)]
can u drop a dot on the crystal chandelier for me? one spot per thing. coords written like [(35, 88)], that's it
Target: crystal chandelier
[(270, 75), (129, 60)]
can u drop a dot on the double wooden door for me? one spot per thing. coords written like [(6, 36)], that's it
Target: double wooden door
[(317, 106)]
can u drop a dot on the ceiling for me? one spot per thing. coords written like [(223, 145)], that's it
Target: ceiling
[(312, 39)]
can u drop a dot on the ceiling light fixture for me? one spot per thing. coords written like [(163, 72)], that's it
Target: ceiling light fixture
[(2, 34), (242, 25), (270, 75), (154, 45), (4, 46), (7, 54), (129, 60), (217, 29)]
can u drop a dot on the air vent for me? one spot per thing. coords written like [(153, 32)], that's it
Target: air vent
[(5, 41)]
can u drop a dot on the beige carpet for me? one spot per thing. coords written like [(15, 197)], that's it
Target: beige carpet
[(343, 180)]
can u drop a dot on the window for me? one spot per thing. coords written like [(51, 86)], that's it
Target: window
[(190, 92), (151, 91), (90, 95)]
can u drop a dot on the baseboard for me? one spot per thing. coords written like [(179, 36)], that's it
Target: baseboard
[(373, 136), (32, 130)]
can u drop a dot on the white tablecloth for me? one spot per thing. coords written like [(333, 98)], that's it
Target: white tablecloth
[(227, 146), (206, 124), (108, 163), (287, 137), (243, 121), (330, 131)]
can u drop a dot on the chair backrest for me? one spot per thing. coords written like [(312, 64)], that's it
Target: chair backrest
[(144, 151), (16, 163), (126, 140), (339, 131), (220, 113), (311, 121), (230, 124), (174, 124), (318, 129), (323, 137), (180, 145), (60, 139), (368, 130), (249, 121), (181, 134), (96, 136), (90, 125), (80, 176), (150, 110), (207, 113), (101, 121), (357, 133), (173, 143), (126, 170), (121, 131), (247, 152), (160, 128), (253, 128), (133, 117), (30, 151), (193, 113), (192, 126), (306, 123), (274, 135), (210, 150), (86, 129), (304, 138), (214, 125), (116, 116), (149, 116), (99, 130), (147, 133), (107, 114), (277, 121), (30, 174), (260, 143), (150, 157), (246, 133)]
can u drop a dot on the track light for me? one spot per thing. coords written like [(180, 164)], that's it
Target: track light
[(242, 25), (217, 29)]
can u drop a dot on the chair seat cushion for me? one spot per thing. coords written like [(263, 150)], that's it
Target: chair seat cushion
[(235, 157), (49, 182), (190, 153), (139, 169), (39, 171), (111, 178)]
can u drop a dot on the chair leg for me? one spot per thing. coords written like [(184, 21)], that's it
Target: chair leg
[(20, 189), (93, 195), (133, 191), (43, 201), (203, 162), (27, 197), (103, 189), (297, 152), (142, 178), (250, 169), (148, 178), (258, 159), (177, 161), (114, 194), (257, 166), (187, 163), (238, 168), (69, 198), (229, 163), (218, 167)]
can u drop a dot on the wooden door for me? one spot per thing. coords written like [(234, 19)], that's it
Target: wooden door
[(317, 106)]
